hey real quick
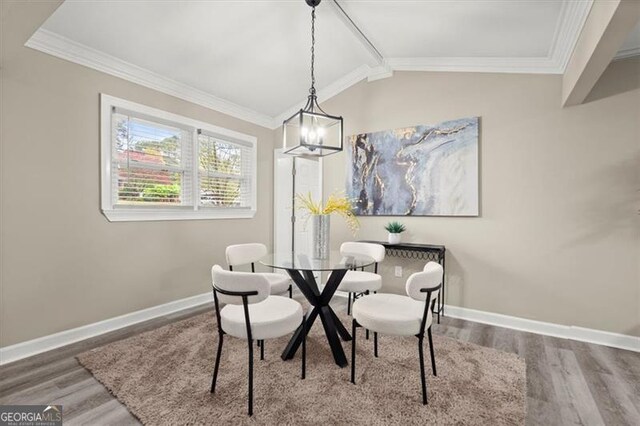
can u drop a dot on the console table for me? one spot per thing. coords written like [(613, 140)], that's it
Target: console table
[(432, 252)]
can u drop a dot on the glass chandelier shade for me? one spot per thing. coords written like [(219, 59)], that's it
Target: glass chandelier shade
[(311, 132)]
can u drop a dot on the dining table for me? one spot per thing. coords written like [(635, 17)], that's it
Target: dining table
[(302, 268)]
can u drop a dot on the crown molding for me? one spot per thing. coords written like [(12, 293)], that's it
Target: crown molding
[(542, 65), (627, 53), (380, 72), (572, 19), (363, 72), (64, 48), (568, 28), (338, 86)]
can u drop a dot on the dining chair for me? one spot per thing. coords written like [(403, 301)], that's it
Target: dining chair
[(251, 313), (357, 283), (399, 315), (242, 254)]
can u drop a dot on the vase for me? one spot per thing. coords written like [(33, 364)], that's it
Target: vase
[(320, 236), (394, 238)]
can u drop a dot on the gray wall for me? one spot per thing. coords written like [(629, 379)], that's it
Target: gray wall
[(558, 239), (63, 264)]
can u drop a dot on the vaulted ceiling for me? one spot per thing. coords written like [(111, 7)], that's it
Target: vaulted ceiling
[(250, 59)]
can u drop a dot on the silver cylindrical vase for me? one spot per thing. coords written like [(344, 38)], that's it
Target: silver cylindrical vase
[(320, 235)]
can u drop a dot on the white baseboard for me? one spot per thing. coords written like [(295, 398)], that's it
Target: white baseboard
[(581, 334), (42, 344), (46, 343)]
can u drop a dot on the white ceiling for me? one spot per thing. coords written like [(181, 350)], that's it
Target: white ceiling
[(250, 59), (240, 51), (458, 29)]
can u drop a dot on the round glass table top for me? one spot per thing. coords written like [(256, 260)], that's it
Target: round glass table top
[(306, 262)]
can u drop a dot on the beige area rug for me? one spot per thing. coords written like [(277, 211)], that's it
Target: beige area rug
[(163, 377)]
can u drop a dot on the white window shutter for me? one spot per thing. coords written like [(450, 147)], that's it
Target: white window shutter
[(225, 171), (151, 161), (158, 165)]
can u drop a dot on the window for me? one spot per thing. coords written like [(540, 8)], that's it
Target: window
[(161, 166), (223, 172)]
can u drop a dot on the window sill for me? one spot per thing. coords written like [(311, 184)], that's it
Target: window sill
[(131, 215)]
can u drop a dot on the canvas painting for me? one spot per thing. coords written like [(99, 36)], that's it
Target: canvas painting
[(426, 170)]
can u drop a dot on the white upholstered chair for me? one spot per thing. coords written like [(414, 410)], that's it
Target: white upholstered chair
[(251, 313), (361, 282), (242, 254), (401, 315)]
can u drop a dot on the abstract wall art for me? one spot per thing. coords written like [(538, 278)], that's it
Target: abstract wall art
[(426, 170)]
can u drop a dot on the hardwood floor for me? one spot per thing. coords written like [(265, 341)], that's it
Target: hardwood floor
[(568, 382)]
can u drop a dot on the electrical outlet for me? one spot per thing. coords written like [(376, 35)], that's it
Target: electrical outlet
[(399, 271)]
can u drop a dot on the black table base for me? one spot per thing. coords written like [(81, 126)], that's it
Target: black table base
[(333, 328)]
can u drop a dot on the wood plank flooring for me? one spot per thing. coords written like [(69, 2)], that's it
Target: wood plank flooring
[(568, 382)]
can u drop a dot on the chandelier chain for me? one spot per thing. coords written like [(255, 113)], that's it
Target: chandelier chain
[(312, 90)]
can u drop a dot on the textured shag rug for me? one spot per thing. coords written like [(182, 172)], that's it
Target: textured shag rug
[(163, 377)]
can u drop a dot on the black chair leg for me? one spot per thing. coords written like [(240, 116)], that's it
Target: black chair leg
[(217, 365), (251, 377), (353, 352), (433, 357), (375, 344), (349, 304), (262, 350), (304, 348), (367, 332), (424, 381)]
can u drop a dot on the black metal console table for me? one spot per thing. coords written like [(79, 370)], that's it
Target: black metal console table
[(416, 251)]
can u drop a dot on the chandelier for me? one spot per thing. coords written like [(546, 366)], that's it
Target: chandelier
[(311, 132)]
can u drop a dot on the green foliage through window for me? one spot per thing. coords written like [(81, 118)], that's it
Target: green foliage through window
[(161, 193), (220, 171), (152, 164), (148, 160)]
